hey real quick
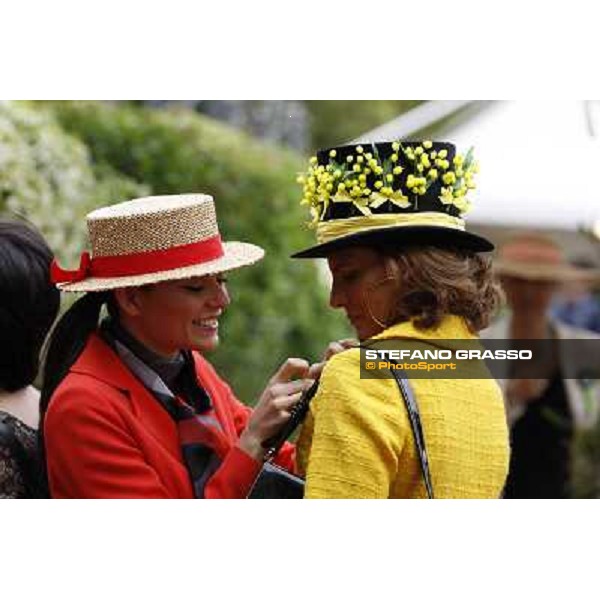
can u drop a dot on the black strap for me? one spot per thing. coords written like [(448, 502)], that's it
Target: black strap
[(297, 415), (412, 409)]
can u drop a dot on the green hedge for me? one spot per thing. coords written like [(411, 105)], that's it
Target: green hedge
[(47, 177), (279, 306)]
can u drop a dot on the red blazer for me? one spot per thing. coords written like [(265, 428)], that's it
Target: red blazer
[(106, 436)]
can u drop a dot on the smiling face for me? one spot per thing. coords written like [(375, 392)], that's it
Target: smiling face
[(363, 285), (175, 315)]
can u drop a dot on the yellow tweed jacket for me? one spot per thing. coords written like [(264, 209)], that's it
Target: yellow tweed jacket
[(357, 442)]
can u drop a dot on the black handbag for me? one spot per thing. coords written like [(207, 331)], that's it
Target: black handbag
[(273, 481)]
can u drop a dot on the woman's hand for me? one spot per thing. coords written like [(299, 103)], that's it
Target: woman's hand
[(273, 408), (337, 347), (331, 350)]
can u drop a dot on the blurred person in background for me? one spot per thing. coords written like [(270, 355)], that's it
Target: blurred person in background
[(545, 412), (29, 304), (130, 406), (577, 301), (388, 219)]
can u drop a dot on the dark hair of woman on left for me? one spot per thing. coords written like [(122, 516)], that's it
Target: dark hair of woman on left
[(29, 303)]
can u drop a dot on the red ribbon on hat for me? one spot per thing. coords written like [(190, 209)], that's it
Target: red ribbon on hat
[(140, 263)]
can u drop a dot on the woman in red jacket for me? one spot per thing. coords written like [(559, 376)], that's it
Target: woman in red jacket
[(130, 408)]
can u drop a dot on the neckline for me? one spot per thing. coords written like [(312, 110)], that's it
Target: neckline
[(4, 414)]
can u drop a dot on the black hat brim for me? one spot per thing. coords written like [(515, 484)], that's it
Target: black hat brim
[(400, 237)]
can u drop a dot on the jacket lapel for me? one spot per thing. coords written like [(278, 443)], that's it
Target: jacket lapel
[(99, 361)]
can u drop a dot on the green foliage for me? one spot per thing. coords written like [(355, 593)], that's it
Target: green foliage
[(279, 308), (47, 178), (335, 122), (586, 463)]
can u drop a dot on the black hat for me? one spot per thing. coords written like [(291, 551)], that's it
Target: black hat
[(395, 193)]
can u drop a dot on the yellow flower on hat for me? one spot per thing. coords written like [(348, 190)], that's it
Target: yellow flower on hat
[(449, 178), (462, 204), (446, 196), (342, 196), (351, 182)]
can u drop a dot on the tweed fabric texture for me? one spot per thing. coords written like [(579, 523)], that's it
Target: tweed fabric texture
[(357, 442)]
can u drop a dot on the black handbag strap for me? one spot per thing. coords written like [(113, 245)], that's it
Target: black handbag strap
[(414, 417)]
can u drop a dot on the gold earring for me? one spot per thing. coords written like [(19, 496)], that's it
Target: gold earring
[(389, 277)]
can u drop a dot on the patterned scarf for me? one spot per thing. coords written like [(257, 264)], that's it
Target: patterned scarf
[(203, 443)]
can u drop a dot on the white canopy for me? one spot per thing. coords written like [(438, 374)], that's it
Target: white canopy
[(539, 160)]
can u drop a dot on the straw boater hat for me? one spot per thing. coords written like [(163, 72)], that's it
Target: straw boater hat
[(147, 240), (534, 257), (398, 193)]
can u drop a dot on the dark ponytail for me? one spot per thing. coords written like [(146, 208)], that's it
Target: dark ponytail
[(65, 344)]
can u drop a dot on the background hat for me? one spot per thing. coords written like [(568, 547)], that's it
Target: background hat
[(399, 193), (535, 257), (147, 240)]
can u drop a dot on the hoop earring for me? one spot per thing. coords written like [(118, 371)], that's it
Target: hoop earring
[(366, 303)]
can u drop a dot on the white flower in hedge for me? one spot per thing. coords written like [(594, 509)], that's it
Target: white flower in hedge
[(47, 177)]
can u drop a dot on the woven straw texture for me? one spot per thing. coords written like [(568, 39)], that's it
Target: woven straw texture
[(153, 223), (159, 223)]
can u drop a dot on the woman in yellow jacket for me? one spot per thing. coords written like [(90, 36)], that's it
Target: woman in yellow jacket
[(389, 221)]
